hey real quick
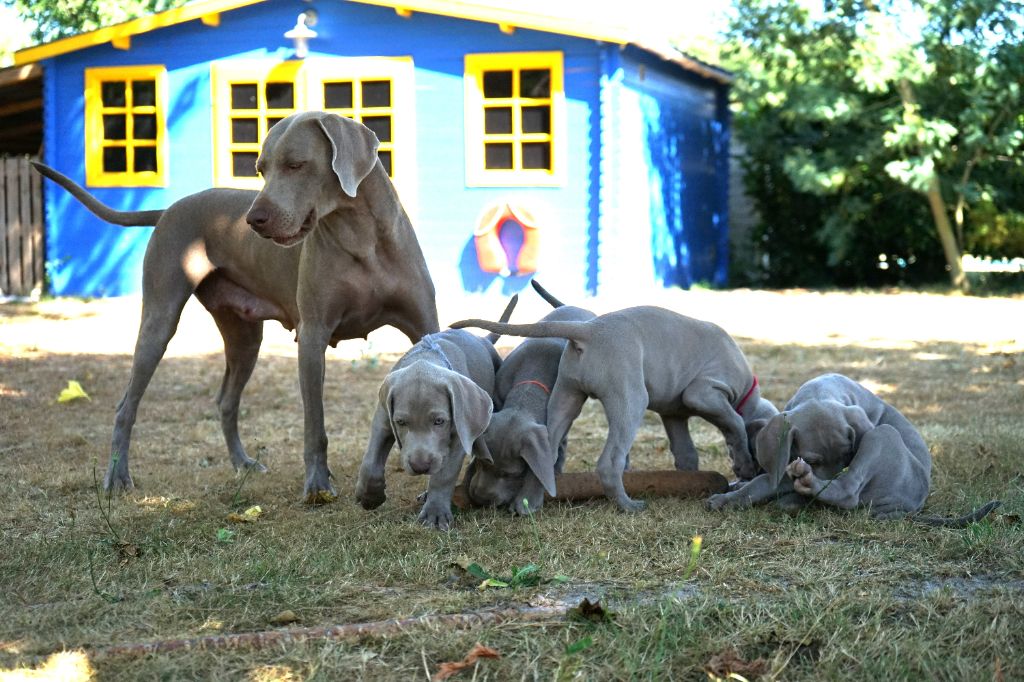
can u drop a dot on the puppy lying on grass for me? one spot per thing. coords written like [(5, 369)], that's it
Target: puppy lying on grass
[(839, 444)]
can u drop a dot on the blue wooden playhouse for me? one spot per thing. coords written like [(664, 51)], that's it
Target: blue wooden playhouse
[(519, 143)]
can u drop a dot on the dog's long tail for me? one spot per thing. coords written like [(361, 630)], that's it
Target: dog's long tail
[(545, 294), (102, 211), (961, 521), (577, 332), (506, 315)]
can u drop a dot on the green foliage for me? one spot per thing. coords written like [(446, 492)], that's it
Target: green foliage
[(850, 110), (57, 19)]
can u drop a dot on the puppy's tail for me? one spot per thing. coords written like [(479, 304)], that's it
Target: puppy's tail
[(102, 211), (577, 332), (505, 316), (545, 294), (959, 522)]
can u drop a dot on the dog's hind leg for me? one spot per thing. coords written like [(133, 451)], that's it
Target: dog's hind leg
[(162, 301), (242, 339), (625, 413), (680, 443)]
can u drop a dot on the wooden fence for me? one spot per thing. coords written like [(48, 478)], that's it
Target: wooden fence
[(21, 228)]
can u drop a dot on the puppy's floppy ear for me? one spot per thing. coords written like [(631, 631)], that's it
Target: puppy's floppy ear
[(471, 408), (535, 451), (386, 398), (774, 446), (354, 148), (481, 451), (858, 419)]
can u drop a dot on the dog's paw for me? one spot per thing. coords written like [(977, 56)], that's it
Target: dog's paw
[(118, 482), (437, 516), (716, 502), (524, 506), (744, 470), (631, 505), (249, 464), (804, 481), (370, 492)]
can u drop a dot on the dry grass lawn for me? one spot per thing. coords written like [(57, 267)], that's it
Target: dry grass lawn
[(820, 595)]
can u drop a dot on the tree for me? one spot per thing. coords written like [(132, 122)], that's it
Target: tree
[(57, 19), (888, 121)]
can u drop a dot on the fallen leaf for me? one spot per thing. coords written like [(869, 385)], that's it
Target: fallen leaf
[(446, 670), (225, 535), (286, 617), (74, 391), (590, 611), (321, 497), (248, 516), (728, 664)]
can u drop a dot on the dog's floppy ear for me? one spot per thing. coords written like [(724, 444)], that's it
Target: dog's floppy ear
[(774, 446), (354, 148), (481, 451), (538, 456), (387, 403), (858, 419), (471, 408)]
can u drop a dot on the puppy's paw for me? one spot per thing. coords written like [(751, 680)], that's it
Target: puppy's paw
[(631, 505), (804, 481), (434, 515), (524, 506), (370, 492), (744, 470), (716, 502)]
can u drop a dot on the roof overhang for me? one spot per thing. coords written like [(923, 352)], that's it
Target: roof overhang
[(508, 18)]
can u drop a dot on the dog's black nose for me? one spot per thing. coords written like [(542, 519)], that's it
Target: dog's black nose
[(420, 467), (257, 218)]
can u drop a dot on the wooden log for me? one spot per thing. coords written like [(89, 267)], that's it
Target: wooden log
[(585, 485)]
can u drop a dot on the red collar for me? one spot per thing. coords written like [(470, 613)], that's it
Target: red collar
[(535, 383), (743, 400)]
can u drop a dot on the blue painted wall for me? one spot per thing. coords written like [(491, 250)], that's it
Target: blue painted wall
[(581, 241)]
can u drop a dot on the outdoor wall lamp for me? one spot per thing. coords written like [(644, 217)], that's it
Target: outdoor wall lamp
[(301, 33)]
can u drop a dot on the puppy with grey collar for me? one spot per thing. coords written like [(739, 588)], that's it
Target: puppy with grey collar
[(435, 404), (517, 436), (645, 358)]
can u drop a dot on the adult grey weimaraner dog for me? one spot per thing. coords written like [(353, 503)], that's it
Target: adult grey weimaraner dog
[(354, 265), (517, 436), (647, 358), (435, 404), (838, 443)]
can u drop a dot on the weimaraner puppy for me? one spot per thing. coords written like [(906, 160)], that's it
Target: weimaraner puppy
[(517, 436), (435, 404), (647, 358), (353, 265), (838, 443)]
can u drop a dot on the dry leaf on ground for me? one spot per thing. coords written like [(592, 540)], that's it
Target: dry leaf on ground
[(450, 668)]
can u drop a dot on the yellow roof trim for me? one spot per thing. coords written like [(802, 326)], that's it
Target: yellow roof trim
[(504, 17), (121, 32)]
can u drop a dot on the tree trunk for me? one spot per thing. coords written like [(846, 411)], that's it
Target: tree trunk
[(949, 245)]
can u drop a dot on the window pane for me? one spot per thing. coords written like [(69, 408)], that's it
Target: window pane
[(145, 159), (245, 130), (115, 127), (113, 93), (536, 119), (144, 93), (497, 83), (535, 83), (115, 160), (243, 164), (272, 121), (338, 95), (243, 96), (376, 93), (144, 126), (380, 125), (385, 160), (498, 120), (280, 96), (498, 156), (537, 155)]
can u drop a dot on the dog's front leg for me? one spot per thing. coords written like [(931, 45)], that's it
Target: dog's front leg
[(313, 339), (755, 491), (370, 483), (437, 510)]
